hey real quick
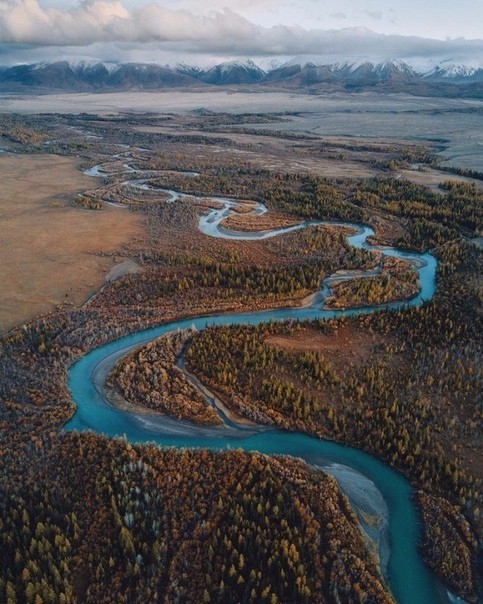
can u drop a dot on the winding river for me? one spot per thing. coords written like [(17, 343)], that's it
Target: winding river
[(372, 487)]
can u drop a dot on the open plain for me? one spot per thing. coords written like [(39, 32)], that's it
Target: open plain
[(50, 249), (452, 125)]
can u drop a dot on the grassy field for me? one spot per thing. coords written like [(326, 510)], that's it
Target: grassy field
[(48, 251)]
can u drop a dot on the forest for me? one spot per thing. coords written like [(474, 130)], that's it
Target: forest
[(164, 525)]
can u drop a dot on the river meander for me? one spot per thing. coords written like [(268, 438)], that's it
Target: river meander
[(358, 473)]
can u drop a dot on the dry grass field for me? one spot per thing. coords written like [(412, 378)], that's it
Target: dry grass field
[(48, 247), (433, 178)]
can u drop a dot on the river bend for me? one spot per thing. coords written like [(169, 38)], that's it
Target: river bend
[(370, 484)]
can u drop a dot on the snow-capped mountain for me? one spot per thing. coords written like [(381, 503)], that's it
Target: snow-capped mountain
[(454, 72), (348, 74), (445, 79), (85, 77), (231, 72)]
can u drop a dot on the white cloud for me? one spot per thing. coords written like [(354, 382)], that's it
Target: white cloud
[(109, 25), (374, 14), (25, 21)]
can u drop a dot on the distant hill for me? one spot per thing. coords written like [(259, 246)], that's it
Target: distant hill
[(390, 76)]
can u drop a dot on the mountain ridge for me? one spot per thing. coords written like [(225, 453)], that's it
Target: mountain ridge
[(388, 76)]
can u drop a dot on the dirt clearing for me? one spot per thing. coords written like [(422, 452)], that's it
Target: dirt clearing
[(343, 347)]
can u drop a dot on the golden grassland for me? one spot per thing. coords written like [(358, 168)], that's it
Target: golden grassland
[(49, 249)]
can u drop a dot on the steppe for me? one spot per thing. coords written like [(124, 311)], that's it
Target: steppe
[(49, 249)]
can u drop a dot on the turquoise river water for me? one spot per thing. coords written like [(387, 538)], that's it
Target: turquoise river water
[(408, 578)]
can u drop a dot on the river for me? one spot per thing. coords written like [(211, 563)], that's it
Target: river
[(371, 485)]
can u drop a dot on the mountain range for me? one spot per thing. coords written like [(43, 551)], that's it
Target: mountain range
[(391, 76)]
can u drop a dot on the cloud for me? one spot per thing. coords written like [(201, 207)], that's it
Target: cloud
[(26, 22), (374, 14), (339, 15), (107, 24)]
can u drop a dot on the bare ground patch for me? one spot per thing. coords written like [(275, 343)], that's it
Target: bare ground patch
[(344, 347)]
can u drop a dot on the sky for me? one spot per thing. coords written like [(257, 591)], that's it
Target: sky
[(268, 31)]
